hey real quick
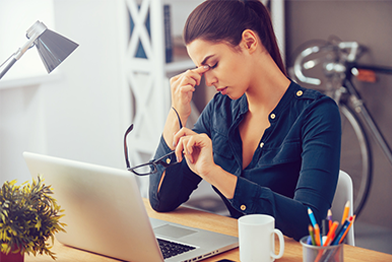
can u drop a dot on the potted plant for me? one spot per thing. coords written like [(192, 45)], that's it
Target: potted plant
[(29, 216)]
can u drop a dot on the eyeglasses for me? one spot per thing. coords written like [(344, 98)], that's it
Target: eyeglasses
[(151, 166)]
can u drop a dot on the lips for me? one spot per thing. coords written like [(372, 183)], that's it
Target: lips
[(223, 90)]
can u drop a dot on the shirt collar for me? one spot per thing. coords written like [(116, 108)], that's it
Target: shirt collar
[(242, 105)]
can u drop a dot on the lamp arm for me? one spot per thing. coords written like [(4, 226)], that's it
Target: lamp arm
[(30, 43), (33, 33), (16, 56), (11, 62)]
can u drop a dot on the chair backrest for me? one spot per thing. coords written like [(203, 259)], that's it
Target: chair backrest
[(344, 192)]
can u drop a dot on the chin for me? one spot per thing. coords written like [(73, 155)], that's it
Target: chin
[(235, 96)]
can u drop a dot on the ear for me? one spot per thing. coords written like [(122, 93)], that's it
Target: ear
[(249, 41)]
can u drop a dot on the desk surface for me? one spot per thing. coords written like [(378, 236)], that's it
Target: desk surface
[(213, 222)]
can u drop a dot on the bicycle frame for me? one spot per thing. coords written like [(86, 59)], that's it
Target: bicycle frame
[(360, 107)]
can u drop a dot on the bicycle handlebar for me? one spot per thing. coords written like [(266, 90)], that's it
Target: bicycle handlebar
[(331, 67)]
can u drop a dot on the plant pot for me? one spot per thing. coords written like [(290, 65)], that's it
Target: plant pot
[(11, 257)]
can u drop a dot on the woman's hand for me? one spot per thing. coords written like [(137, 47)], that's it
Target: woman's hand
[(197, 149), (182, 88)]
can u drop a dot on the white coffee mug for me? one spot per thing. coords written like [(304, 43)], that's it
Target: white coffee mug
[(257, 239)]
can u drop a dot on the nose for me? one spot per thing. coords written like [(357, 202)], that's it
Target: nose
[(210, 78)]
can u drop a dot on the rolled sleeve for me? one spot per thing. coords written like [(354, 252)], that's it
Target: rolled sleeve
[(177, 185), (247, 197)]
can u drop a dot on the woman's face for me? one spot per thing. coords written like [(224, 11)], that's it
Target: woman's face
[(228, 72)]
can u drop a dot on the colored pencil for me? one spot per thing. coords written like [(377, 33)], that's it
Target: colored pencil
[(329, 217), (311, 234), (345, 212), (312, 218), (348, 229), (331, 233), (317, 235), (341, 231)]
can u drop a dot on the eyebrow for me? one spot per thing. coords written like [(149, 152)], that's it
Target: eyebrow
[(205, 59)]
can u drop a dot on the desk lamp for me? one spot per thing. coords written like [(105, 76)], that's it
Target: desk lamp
[(52, 47)]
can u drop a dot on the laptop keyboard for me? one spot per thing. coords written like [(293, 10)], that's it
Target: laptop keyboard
[(170, 249)]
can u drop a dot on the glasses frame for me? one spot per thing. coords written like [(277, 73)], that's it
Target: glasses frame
[(166, 160)]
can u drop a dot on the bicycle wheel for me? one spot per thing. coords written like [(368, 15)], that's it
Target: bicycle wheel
[(356, 157)]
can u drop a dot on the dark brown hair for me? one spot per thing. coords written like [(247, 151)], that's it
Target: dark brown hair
[(225, 20)]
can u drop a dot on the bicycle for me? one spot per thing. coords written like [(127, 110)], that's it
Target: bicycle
[(329, 66)]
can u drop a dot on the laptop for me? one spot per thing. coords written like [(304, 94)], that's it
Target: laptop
[(105, 214)]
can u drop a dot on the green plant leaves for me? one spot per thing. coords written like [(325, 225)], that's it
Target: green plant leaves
[(29, 216)]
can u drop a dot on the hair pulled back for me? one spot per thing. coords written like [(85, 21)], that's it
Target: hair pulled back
[(225, 20)]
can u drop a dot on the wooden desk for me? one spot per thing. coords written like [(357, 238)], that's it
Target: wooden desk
[(199, 219)]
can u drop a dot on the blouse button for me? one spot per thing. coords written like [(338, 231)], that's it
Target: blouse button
[(272, 116), (300, 93), (243, 207), (261, 145)]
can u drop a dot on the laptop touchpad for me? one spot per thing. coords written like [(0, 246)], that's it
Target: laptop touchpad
[(173, 231)]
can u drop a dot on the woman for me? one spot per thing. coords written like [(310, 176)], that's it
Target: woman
[(265, 144)]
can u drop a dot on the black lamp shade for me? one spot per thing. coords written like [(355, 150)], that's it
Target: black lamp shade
[(53, 49)]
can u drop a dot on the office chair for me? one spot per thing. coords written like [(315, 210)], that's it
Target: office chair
[(344, 192)]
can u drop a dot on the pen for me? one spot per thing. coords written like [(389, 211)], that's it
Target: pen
[(345, 212), (342, 230), (324, 229), (331, 233), (348, 229)]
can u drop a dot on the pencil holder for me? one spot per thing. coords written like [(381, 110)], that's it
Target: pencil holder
[(311, 253)]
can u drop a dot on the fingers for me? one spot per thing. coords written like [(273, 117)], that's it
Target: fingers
[(197, 73), (191, 77), (179, 152), (192, 145), (179, 146), (185, 147), (181, 141), (182, 88), (182, 132), (201, 70)]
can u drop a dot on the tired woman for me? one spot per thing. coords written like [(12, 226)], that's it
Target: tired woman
[(264, 143)]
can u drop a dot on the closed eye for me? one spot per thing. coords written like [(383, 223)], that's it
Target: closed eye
[(214, 66)]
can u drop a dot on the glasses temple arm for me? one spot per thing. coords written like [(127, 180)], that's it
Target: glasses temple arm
[(126, 147), (178, 116)]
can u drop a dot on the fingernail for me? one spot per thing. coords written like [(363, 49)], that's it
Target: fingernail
[(206, 67)]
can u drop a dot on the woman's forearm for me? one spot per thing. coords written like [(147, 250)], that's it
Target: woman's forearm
[(224, 181), (171, 127)]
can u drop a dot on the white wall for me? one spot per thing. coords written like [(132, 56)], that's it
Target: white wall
[(16, 16), (78, 114)]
